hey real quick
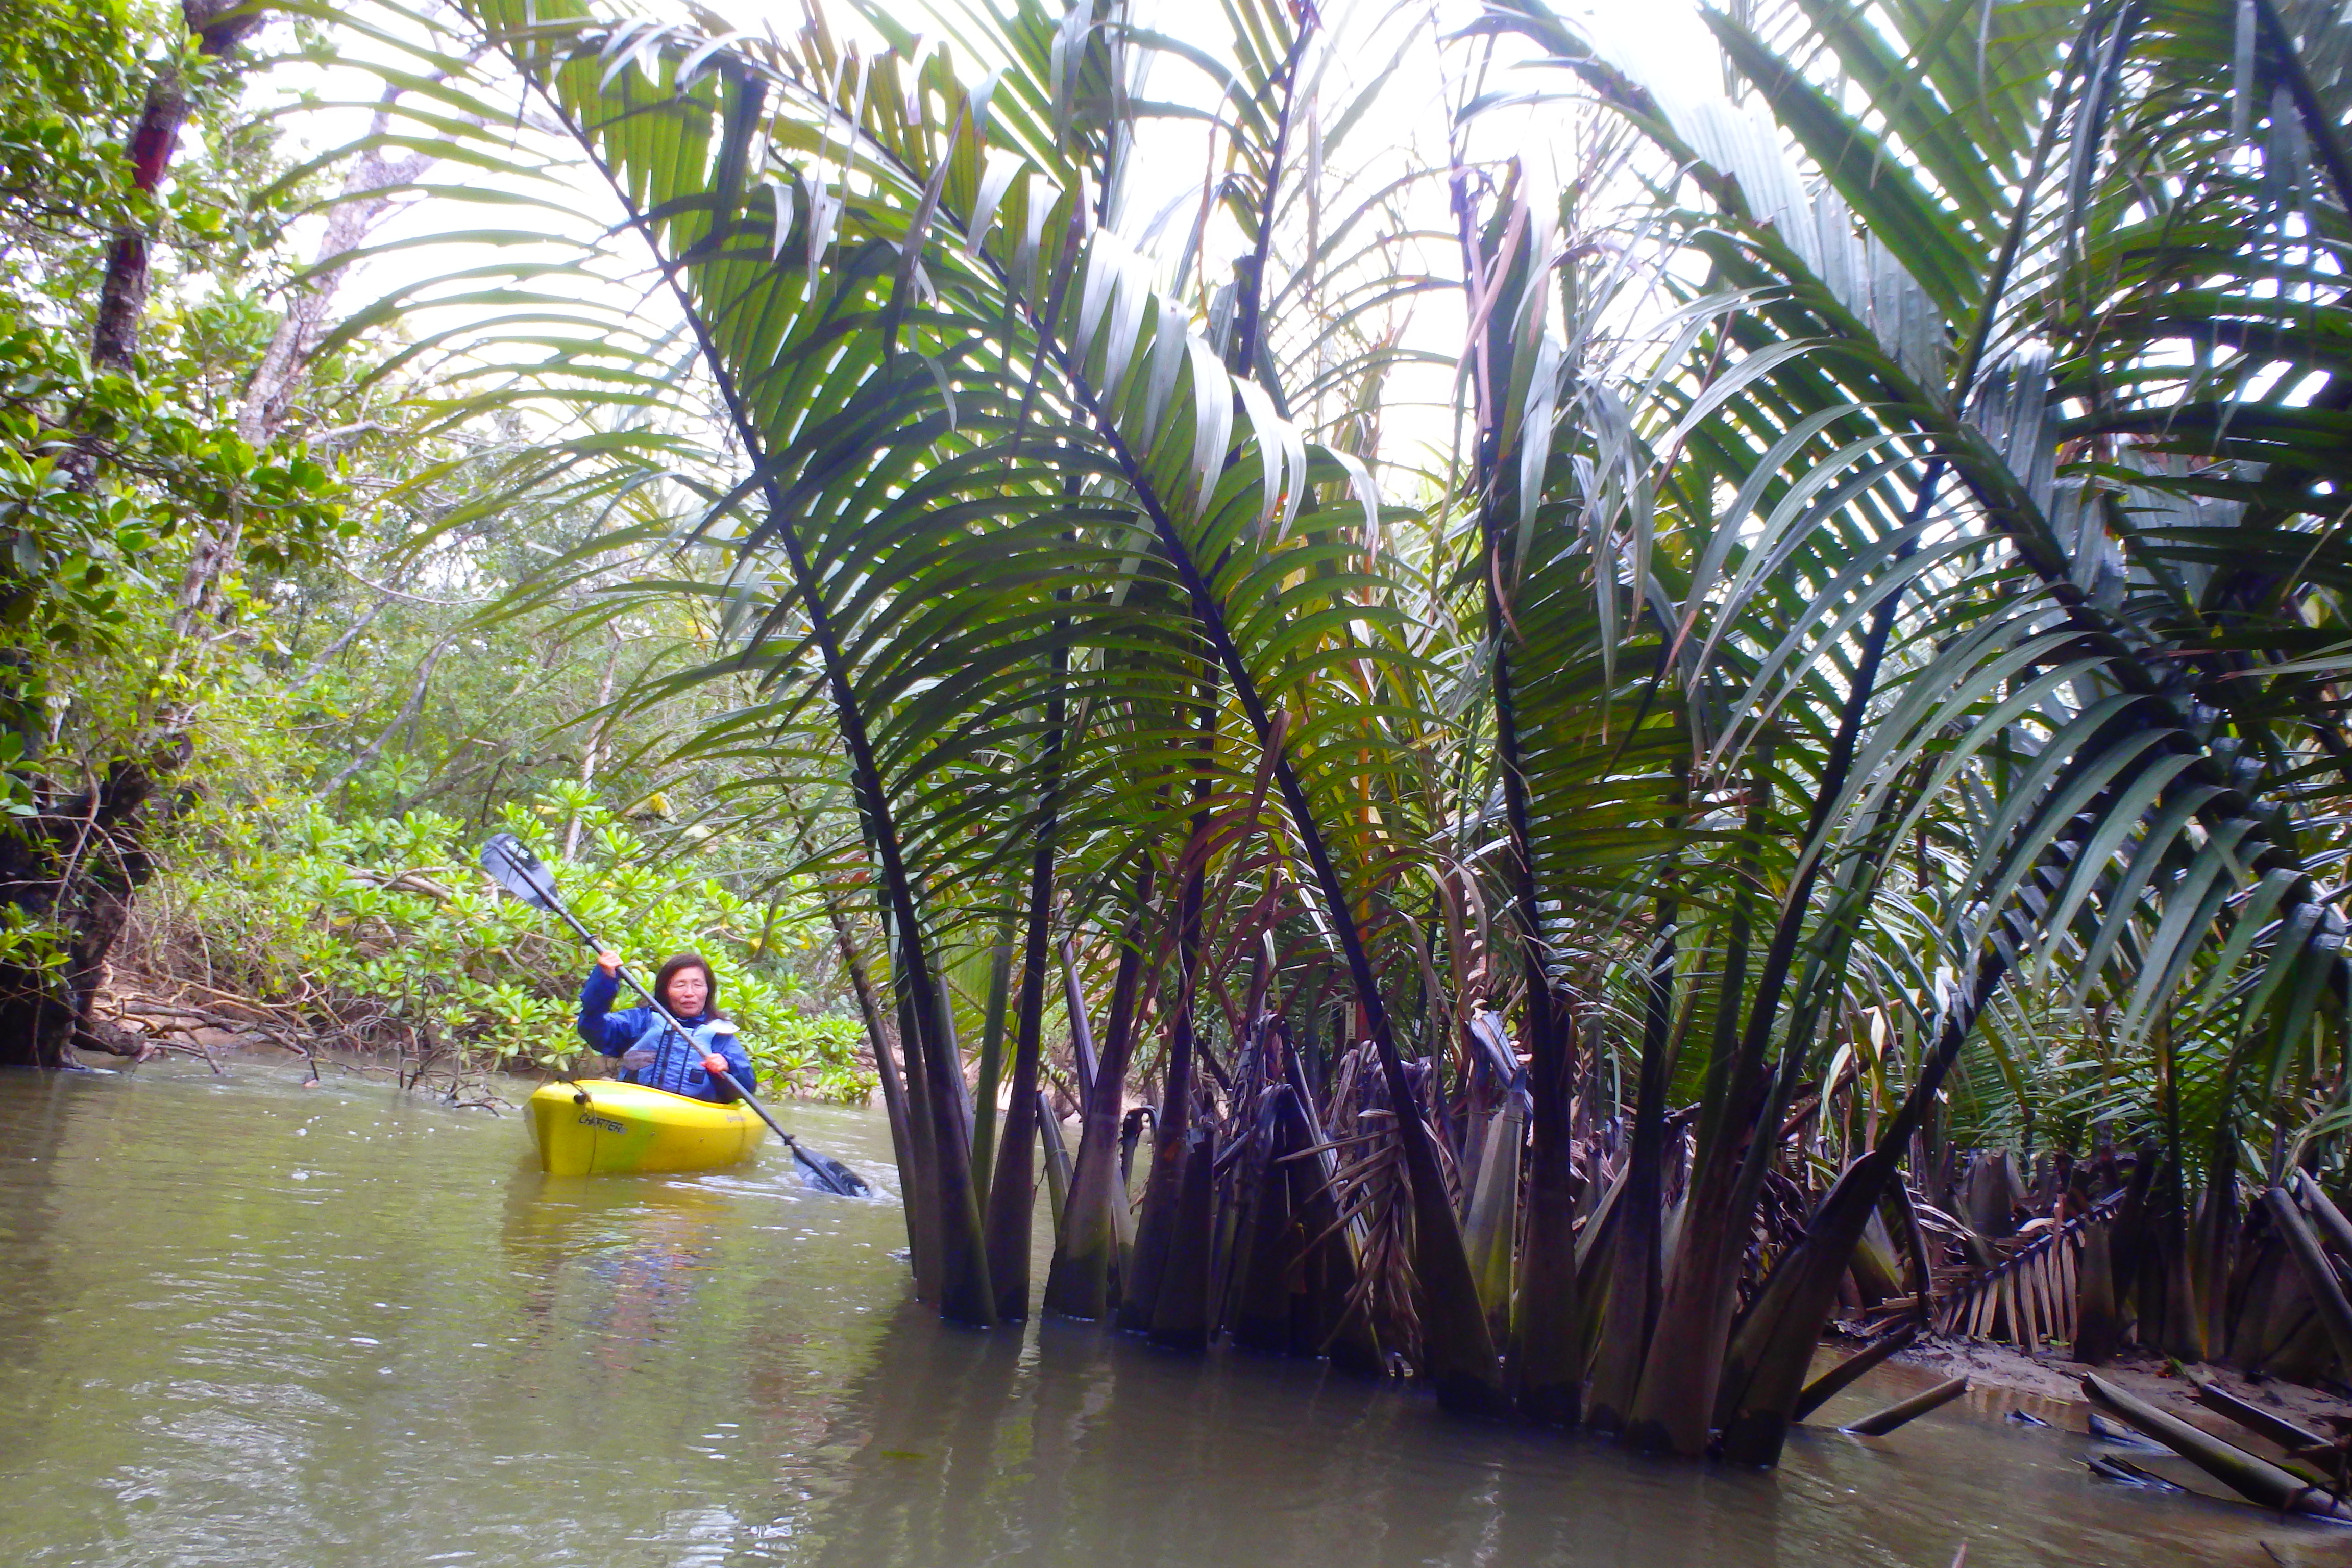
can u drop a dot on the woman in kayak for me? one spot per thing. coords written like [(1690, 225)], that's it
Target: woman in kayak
[(651, 1051)]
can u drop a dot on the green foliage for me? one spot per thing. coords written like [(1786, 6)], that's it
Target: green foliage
[(68, 546), (1880, 614), (1869, 661), (104, 475), (381, 926), (76, 77)]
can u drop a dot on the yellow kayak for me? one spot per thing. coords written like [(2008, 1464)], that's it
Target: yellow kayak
[(603, 1126)]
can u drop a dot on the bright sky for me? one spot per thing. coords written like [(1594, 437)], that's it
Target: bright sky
[(1366, 40)]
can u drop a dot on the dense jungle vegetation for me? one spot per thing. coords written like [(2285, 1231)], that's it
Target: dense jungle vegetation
[(1645, 696), (234, 672)]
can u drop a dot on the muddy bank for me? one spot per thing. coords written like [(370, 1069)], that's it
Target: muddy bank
[(2056, 1375)]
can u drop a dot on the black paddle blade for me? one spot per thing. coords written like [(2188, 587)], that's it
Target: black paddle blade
[(514, 868), (830, 1174)]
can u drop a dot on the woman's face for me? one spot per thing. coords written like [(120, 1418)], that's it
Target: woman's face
[(689, 988)]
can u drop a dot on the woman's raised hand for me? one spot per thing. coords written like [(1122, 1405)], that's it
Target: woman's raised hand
[(610, 962)]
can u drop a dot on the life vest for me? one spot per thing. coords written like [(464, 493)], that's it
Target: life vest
[(677, 1052)]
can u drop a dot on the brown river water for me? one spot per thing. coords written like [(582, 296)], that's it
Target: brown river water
[(244, 1321)]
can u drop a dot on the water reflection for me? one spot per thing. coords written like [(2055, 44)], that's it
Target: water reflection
[(1078, 1448), (636, 1251), (42, 1106), (248, 1323), (1084, 1447)]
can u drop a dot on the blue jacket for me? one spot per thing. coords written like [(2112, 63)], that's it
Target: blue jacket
[(677, 1063)]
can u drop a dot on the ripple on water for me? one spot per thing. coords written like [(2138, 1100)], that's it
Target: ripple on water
[(428, 1352)]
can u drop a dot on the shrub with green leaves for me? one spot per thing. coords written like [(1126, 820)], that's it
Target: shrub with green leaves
[(385, 924)]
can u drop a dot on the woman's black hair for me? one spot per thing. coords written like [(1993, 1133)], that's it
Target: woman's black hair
[(669, 969)]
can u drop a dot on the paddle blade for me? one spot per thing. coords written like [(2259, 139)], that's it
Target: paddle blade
[(514, 868), (830, 1176)]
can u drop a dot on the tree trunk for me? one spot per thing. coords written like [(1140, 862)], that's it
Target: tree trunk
[(76, 867), (590, 754), (218, 26)]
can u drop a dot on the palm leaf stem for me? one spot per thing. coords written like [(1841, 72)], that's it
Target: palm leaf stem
[(1674, 1407), (922, 1243), (2131, 662), (1011, 1193), (1765, 1373), (1461, 1352), (989, 1069), (1173, 1126), (1684, 1364), (1829, 792), (965, 1294), (1547, 1356), (1771, 1347), (1445, 1270), (1173, 1131), (1087, 1274), (1245, 353), (2012, 239), (2324, 134), (1547, 1321), (1630, 1311)]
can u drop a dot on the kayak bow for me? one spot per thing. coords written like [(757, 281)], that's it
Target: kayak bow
[(604, 1127)]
